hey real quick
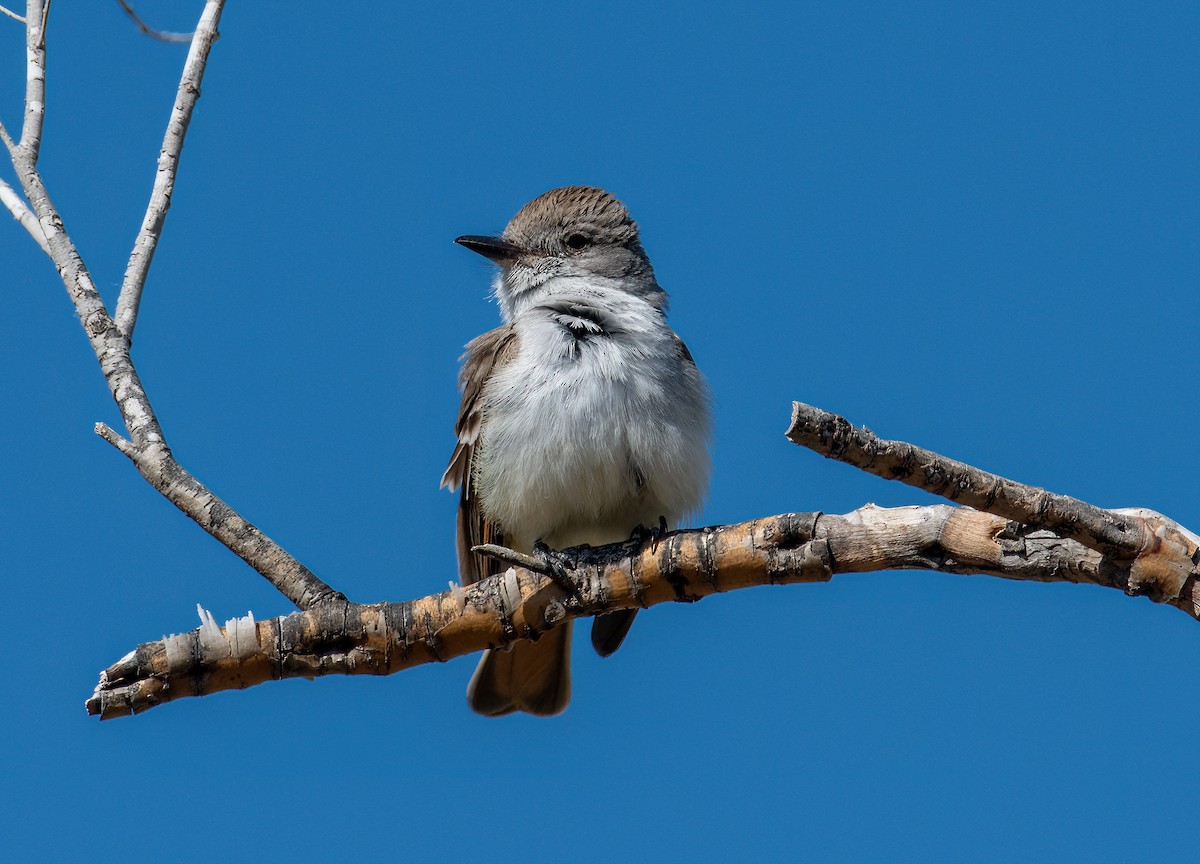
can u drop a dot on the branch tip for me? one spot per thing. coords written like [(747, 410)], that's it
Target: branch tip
[(8, 141), (160, 35), (513, 557), (112, 437), (835, 437)]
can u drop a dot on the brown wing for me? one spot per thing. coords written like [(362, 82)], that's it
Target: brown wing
[(529, 676), (484, 353)]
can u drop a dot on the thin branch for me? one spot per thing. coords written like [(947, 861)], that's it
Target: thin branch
[(21, 212), (686, 566), (45, 18), (161, 35), (164, 473), (836, 438), (12, 15), (150, 454), (168, 167), (35, 79), (511, 557), (117, 440), (1164, 559)]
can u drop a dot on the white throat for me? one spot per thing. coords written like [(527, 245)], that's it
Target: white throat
[(519, 291)]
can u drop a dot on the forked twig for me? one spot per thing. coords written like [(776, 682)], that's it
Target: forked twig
[(146, 446)]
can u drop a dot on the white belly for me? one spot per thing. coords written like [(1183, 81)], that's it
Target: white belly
[(584, 440)]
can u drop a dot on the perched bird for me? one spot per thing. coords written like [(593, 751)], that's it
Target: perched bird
[(583, 418)]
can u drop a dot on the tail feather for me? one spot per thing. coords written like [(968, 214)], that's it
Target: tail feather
[(608, 630), (534, 677)]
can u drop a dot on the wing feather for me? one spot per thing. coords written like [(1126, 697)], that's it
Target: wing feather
[(484, 354)]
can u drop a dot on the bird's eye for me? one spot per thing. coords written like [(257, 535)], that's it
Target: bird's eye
[(577, 241)]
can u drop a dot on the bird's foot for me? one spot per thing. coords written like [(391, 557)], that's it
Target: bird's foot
[(558, 567), (641, 532)]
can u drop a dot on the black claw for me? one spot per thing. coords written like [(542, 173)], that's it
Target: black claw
[(655, 534), (558, 567)]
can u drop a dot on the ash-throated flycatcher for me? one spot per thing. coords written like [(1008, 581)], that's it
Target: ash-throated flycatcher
[(582, 418)]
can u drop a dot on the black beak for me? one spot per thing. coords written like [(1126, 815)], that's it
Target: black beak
[(495, 248)]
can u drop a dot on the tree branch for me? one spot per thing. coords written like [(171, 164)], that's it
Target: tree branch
[(380, 639), (36, 16), (24, 216), (1165, 557), (146, 447), (168, 166), (161, 35)]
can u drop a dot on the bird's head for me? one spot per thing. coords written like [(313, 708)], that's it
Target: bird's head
[(563, 239)]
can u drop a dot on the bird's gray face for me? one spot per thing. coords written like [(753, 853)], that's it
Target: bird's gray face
[(567, 237)]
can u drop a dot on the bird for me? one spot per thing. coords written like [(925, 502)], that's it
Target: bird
[(584, 419)]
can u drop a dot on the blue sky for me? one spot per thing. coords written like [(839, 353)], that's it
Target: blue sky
[(969, 226)]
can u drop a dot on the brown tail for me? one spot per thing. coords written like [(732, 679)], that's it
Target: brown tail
[(608, 630), (534, 677)]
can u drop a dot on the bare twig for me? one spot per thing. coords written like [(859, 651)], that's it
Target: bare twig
[(11, 14), (161, 35), (1164, 559), (21, 212), (168, 166), (511, 557), (836, 438), (164, 473), (116, 439)]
